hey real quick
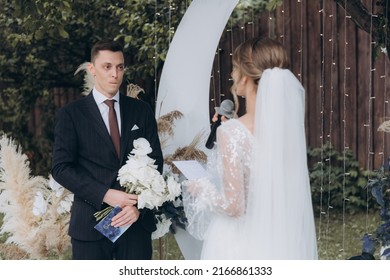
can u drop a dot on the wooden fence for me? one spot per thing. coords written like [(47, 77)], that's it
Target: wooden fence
[(346, 87)]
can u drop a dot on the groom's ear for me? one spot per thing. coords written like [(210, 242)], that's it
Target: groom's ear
[(91, 68)]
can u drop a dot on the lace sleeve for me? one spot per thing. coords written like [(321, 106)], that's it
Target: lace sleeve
[(231, 195), (223, 191)]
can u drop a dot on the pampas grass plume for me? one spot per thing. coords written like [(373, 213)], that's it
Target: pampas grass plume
[(88, 78), (17, 192)]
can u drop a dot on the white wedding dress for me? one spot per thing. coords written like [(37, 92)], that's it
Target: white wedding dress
[(256, 203), (219, 207)]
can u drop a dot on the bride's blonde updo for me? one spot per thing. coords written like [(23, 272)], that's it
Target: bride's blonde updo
[(253, 56)]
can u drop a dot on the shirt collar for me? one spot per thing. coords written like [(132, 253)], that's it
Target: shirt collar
[(100, 97)]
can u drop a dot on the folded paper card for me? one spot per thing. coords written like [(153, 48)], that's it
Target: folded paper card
[(191, 169), (105, 227)]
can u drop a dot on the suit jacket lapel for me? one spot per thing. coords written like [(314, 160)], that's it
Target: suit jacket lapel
[(93, 113)]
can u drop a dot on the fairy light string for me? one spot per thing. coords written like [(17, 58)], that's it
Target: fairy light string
[(322, 159), (322, 125), (331, 41), (163, 241), (230, 30), (243, 25), (384, 77), (252, 22), (371, 99), (156, 14), (213, 78), (326, 136), (283, 27), (270, 24), (169, 21), (300, 41), (155, 20), (345, 96)]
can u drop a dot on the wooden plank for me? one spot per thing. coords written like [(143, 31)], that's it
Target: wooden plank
[(348, 90), (329, 75), (379, 111), (287, 21), (311, 71), (363, 105)]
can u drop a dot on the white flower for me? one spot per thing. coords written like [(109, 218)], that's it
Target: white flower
[(133, 174), (65, 205), (145, 160), (40, 205), (162, 227), (158, 184), (141, 147), (149, 199), (173, 188), (137, 161), (56, 187), (145, 174), (126, 178)]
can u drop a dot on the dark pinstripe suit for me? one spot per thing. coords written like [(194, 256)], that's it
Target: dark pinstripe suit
[(85, 162)]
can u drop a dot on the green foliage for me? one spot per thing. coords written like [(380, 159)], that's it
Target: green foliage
[(146, 30), (245, 9), (337, 180), (43, 42)]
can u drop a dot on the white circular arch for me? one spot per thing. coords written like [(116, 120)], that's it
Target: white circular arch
[(185, 79), (185, 82)]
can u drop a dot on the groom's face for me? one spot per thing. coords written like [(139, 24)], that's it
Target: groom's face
[(108, 69)]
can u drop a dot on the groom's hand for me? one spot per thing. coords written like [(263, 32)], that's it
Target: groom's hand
[(119, 198), (127, 216)]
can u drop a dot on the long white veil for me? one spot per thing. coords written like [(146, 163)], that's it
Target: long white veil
[(279, 222)]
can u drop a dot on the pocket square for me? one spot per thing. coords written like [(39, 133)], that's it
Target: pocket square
[(135, 127)]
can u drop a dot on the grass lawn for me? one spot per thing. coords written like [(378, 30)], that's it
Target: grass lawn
[(339, 238)]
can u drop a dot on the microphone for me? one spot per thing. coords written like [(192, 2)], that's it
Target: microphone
[(226, 109)]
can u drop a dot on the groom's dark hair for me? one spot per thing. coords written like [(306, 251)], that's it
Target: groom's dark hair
[(105, 45)]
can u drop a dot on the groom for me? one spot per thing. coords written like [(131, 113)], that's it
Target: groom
[(93, 138)]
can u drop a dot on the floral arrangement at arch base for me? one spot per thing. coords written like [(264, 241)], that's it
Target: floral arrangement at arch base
[(159, 193), (35, 209)]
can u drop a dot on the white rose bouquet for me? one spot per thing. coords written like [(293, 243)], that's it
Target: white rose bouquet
[(140, 176)]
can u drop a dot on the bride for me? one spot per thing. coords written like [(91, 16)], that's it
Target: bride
[(256, 204)]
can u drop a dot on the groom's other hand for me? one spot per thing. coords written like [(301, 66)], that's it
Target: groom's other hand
[(119, 198)]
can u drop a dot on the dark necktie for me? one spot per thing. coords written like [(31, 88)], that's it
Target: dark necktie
[(113, 123)]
